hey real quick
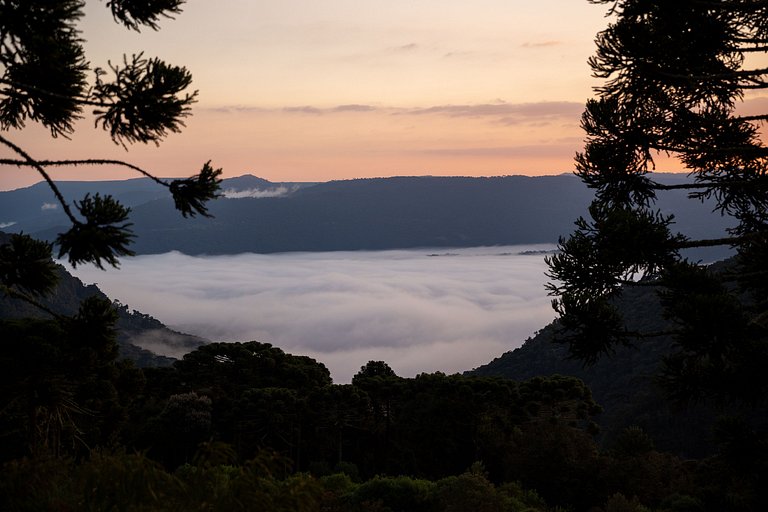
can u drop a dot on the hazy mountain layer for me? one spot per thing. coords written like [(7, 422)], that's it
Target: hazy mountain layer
[(255, 215)]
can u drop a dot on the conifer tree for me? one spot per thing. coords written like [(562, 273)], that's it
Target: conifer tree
[(44, 78), (63, 384), (675, 76)]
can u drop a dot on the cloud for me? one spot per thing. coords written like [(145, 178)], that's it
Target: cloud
[(538, 114), (228, 109), (538, 110), (406, 47), (255, 193), (541, 44), (353, 108), (306, 109), (4, 225), (544, 112), (418, 313), (385, 53), (161, 341), (49, 206), (522, 151), (455, 54)]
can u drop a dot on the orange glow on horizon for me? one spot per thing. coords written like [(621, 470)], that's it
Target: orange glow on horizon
[(298, 91)]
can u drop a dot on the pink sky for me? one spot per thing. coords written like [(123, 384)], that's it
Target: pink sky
[(300, 90)]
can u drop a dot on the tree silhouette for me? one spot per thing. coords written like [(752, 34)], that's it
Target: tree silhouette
[(675, 73), (44, 80), (64, 385)]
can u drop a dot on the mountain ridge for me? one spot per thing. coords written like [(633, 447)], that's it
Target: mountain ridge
[(372, 214)]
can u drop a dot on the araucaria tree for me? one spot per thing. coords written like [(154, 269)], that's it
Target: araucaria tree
[(45, 78), (676, 74), (63, 386)]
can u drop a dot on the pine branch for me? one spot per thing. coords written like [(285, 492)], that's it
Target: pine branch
[(90, 161), (692, 186), (79, 100), (756, 49), (745, 73), (29, 300), (652, 334), (758, 150), (713, 242), (761, 117), (735, 6)]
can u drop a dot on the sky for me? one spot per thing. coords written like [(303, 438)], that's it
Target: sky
[(309, 90), (417, 312)]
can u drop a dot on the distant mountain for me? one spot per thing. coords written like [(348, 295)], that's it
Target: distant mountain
[(34, 209), (140, 337), (256, 215)]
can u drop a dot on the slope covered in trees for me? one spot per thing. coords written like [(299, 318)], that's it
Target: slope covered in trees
[(134, 329), (628, 383), (244, 424)]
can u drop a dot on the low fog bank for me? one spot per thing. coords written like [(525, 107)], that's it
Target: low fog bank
[(419, 310)]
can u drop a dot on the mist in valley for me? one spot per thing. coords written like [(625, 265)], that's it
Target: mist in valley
[(419, 310)]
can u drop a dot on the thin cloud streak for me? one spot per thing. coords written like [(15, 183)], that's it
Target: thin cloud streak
[(419, 313), (406, 47), (353, 108), (306, 109), (507, 112), (541, 44), (522, 151), (544, 109)]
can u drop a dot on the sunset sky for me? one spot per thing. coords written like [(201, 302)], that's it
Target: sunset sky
[(309, 90)]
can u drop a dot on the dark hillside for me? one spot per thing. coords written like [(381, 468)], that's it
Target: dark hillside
[(134, 329), (624, 384)]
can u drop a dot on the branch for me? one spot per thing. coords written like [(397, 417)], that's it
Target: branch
[(745, 73), (28, 160), (762, 117), (761, 49), (712, 242), (738, 6), (689, 186), (90, 161), (653, 334), (29, 300), (759, 150), (684, 186), (79, 100)]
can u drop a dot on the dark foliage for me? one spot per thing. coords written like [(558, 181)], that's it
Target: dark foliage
[(63, 300), (143, 102), (44, 79), (103, 237), (26, 264), (674, 72)]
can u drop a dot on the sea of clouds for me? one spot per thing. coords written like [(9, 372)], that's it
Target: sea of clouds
[(418, 310)]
